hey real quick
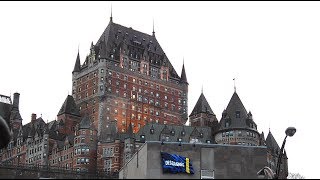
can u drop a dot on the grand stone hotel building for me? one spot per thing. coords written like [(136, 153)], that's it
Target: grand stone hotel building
[(124, 94)]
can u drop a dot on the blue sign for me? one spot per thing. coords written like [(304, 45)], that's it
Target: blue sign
[(172, 163)]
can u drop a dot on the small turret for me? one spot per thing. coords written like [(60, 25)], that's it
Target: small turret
[(77, 64), (183, 76)]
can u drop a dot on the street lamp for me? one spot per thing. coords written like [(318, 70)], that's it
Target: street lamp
[(290, 131)]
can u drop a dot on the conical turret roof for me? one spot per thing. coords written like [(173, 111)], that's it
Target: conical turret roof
[(202, 106), (77, 64), (272, 143), (183, 75), (69, 107)]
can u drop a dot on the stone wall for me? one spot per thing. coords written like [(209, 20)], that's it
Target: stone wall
[(226, 161)]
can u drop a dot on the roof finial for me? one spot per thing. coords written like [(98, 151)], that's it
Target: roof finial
[(153, 27), (111, 14), (234, 84), (202, 89)]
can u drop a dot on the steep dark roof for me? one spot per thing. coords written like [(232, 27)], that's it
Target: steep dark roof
[(202, 106), (160, 129), (183, 75), (116, 36), (234, 105), (229, 115), (77, 64), (85, 123), (272, 144), (69, 107)]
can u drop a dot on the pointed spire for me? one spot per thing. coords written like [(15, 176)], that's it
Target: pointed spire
[(111, 14), (153, 33), (234, 84), (77, 64), (235, 105), (202, 106), (183, 75), (69, 107)]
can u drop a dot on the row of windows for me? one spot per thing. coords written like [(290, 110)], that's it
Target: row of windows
[(81, 140), (38, 157), (62, 158), (230, 133), (31, 151), (81, 150), (146, 83), (82, 160)]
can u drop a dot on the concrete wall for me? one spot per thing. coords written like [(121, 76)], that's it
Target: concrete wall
[(227, 161), (136, 169)]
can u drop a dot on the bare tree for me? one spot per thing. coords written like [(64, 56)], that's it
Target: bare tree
[(295, 176)]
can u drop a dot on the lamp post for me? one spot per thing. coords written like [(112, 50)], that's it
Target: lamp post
[(290, 131)]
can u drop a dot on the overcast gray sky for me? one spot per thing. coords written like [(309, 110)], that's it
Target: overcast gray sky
[(271, 48)]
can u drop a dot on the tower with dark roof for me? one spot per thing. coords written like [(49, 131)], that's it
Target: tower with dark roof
[(273, 150), (202, 114), (127, 77), (85, 145), (15, 117), (68, 116), (236, 125)]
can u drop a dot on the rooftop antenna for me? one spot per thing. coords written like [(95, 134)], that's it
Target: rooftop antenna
[(234, 84), (153, 27), (111, 13), (269, 125)]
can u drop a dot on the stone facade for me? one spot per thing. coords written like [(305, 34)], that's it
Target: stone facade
[(223, 161)]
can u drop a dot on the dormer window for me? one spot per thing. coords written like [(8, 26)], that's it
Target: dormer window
[(151, 131), (201, 135), (237, 114), (172, 132), (183, 133), (142, 136), (227, 124), (208, 141), (179, 139)]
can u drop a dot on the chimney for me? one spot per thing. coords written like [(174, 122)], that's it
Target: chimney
[(16, 100), (33, 117)]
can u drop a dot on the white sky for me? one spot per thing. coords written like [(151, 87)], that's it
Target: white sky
[(271, 48)]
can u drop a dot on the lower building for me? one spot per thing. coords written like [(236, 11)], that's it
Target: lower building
[(71, 143), (206, 161)]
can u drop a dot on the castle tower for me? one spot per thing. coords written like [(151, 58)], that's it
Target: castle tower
[(185, 85), (127, 78), (68, 116), (236, 125), (85, 146), (202, 114), (15, 117), (273, 152)]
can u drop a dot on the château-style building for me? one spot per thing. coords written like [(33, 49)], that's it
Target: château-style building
[(126, 92)]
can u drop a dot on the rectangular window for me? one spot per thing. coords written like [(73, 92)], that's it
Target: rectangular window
[(237, 114), (207, 174)]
